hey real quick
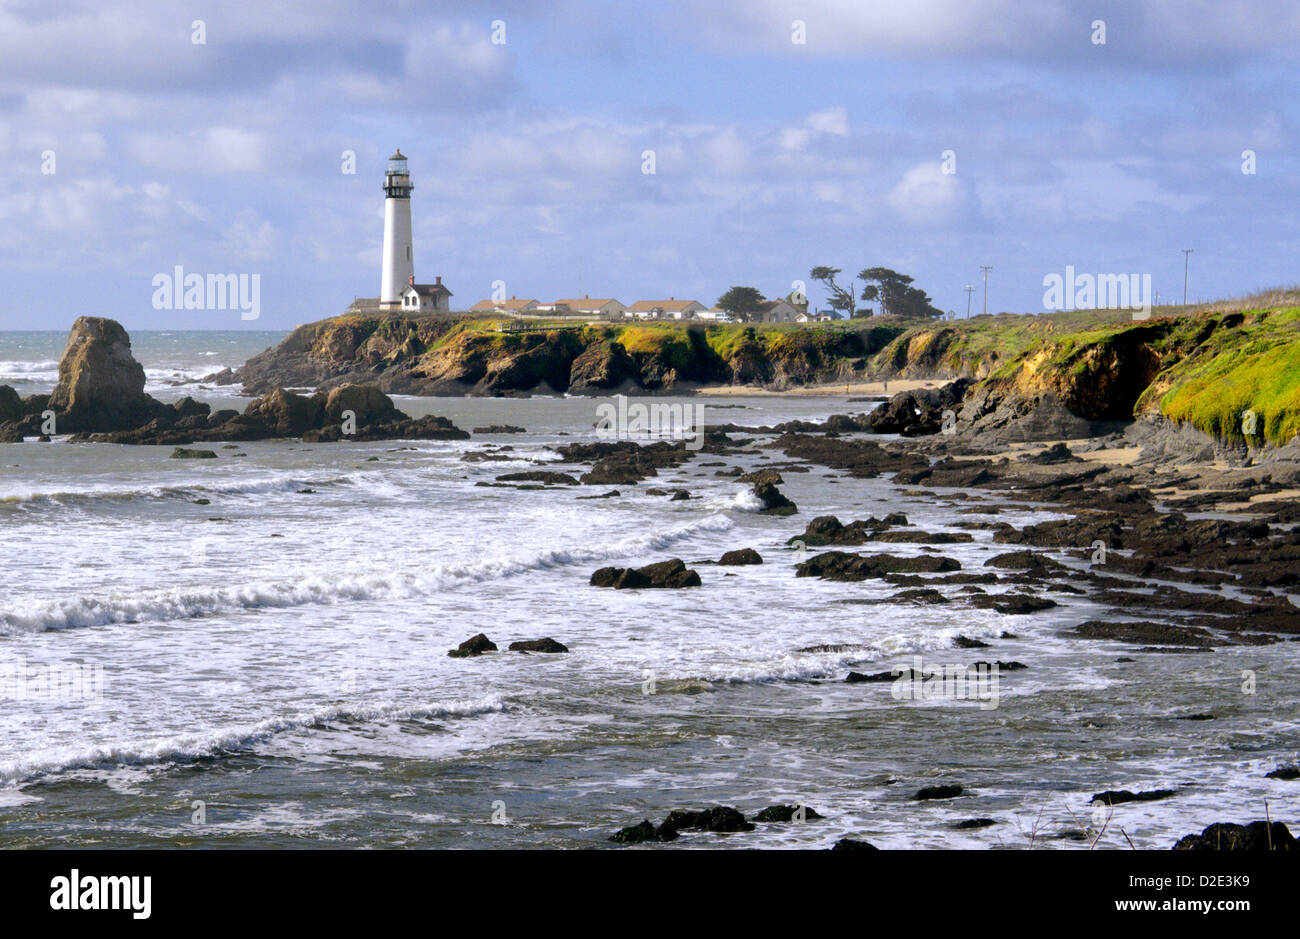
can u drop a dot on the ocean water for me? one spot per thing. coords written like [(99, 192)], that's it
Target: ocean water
[(251, 652)]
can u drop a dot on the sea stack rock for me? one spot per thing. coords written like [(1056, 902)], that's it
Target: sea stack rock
[(366, 402), (101, 385)]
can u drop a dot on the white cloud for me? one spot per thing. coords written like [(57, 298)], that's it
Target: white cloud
[(214, 150), (1148, 31), (926, 194)]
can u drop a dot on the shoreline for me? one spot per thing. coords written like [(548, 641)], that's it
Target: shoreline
[(828, 389)]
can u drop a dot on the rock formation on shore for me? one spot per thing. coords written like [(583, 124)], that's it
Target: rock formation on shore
[(100, 396), (101, 385)]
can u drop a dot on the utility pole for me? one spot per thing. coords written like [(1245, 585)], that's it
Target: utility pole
[(986, 268), (970, 289), (1187, 261)]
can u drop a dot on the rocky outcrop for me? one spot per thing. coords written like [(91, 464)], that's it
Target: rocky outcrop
[(100, 396), (545, 645), (828, 530), (773, 501), (843, 566), (100, 388), (1226, 836), (349, 412), (665, 574), (473, 646), (101, 385), (921, 412)]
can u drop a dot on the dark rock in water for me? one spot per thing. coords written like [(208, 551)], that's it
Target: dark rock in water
[(606, 473), (968, 824), (1015, 604), (786, 813), (923, 595), (671, 573), (666, 574), (720, 818), (680, 495), (475, 645), (774, 501), (1026, 561), (612, 494), (853, 844), (962, 642), (1225, 836), (924, 537), (1001, 666), (843, 566), (855, 678), (538, 645), (937, 792), (1287, 771), (1120, 796), (741, 556), (620, 578), (539, 476), (1161, 633), (181, 453), (763, 477), (827, 530), (638, 834), (500, 429)]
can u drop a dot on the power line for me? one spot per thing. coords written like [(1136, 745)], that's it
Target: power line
[(986, 268), (970, 290), (1187, 262)]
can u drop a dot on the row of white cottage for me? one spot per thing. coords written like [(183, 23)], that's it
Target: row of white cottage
[(770, 311)]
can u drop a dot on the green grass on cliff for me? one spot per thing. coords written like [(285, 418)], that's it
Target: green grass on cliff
[(1214, 364), (1252, 367)]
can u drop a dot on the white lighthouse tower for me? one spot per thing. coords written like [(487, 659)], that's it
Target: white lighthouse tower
[(399, 262)]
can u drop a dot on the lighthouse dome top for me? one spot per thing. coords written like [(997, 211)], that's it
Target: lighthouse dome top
[(397, 155)]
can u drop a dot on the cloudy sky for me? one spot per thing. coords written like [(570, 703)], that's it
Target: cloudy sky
[(770, 155)]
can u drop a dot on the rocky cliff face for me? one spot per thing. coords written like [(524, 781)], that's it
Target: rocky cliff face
[(457, 355), (1218, 383)]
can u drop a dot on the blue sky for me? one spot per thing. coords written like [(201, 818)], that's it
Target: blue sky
[(770, 156)]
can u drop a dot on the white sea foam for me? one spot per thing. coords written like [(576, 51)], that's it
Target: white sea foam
[(234, 486), (184, 747), (381, 583)]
